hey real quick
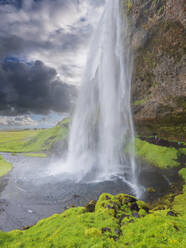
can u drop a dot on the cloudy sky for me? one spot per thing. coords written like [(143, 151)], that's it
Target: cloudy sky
[(43, 49)]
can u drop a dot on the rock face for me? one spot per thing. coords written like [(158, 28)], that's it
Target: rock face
[(159, 79)]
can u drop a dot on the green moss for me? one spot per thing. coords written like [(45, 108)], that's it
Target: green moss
[(139, 102), (5, 167), (27, 141), (160, 156), (38, 155), (182, 173), (129, 5), (180, 200), (182, 151), (154, 230)]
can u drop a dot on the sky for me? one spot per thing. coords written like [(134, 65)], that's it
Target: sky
[(43, 51)]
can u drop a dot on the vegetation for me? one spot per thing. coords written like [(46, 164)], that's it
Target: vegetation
[(114, 221), (5, 166), (34, 141), (160, 156), (180, 200), (39, 155), (140, 102)]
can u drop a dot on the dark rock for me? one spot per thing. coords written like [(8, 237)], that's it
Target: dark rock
[(175, 226), (109, 207), (90, 207), (115, 238), (136, 215), (129, 200), (117, 231), (105, 229), (171, 213), (123, 216), (134, 207), (26, 228)]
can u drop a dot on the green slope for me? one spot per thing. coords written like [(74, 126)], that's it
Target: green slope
[(32, 140)]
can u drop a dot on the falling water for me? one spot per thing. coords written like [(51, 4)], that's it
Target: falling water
[(102, 123)]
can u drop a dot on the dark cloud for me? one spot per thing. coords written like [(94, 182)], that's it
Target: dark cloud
[(35, 88), (56, 32), (49, 30)]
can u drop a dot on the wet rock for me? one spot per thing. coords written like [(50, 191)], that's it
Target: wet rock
[(107, 197), (123, 216), (115, 238), (117, 231), (134, 207), (171, 213), (109, 207), (105, 229), (90, 207), (135, 215), (130, 199), (26, 228)]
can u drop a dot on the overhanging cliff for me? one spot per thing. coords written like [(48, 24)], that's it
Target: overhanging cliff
[(159, 82)]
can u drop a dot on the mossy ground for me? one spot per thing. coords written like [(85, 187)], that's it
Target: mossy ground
[(115, 222), (32, 141), (5, 166), (160, 156)]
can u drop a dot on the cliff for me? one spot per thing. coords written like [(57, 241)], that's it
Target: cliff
[(159, 85)]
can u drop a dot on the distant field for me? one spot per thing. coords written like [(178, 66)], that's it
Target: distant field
[(26, 141)]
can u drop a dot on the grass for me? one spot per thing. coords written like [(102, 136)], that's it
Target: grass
[(160, 156), (32, 141), (38, 155), (180, 200), (5, 167)]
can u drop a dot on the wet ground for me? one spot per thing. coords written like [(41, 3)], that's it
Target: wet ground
[(161, 142), (28, 195)]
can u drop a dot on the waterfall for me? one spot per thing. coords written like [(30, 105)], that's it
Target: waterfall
[(102, 123)]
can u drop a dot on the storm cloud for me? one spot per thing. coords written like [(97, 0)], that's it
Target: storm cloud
[(43, 51), (36, 88), (56, 32)]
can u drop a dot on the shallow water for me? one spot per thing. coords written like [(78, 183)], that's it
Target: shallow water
[(27, 194)]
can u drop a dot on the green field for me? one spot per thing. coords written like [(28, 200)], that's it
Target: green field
[(32, 141)]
